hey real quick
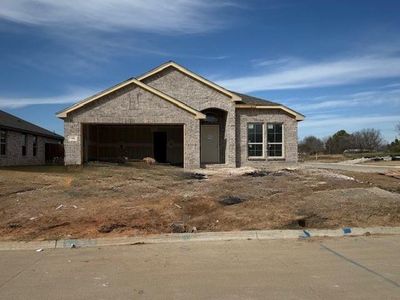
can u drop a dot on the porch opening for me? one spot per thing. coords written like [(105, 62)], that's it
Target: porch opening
[(212, 137), (116, 143)]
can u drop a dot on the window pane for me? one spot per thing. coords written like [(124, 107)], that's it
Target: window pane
[(275, 150), (2, 136), (274, 133), (3, 149), (255, 133), (255, 150)]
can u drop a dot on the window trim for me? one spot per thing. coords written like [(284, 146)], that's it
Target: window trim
[(5, 142), (274, 143), (262, 143)]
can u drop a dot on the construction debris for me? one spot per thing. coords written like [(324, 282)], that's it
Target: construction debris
[(110, 227), (394, 174), (178, 227), (149, 160), (198, 176), (257, 173), (231, 200)]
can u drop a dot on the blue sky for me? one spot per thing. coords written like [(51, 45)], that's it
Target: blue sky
[(337, 62)]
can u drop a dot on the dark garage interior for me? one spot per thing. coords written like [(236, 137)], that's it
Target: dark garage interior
[(115, 143)]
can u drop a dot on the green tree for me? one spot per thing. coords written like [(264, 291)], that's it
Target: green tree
[(338, 142), (394, 146)]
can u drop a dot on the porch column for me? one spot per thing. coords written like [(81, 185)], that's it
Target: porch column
[(191, 145), (72, 143), (230, 135)]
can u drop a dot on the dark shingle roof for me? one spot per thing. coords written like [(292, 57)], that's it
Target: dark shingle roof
[(247, 99), (11, 122)]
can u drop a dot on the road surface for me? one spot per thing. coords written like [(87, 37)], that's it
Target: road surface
[(342, 268)]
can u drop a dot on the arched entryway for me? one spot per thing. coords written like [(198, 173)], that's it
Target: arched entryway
[(213, 141)]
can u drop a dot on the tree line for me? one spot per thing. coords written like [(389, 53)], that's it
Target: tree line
[(365, 140)]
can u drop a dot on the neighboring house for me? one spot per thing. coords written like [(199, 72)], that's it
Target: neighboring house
[(179, 117), (23, 143)]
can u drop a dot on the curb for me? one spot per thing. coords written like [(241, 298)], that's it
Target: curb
[(199, 237)]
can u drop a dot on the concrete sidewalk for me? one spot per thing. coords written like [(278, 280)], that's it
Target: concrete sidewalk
[(336, 268), (199, 237)]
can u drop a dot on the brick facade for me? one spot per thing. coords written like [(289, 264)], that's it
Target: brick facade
[(200, 97), (14, 144), (245, 116), (135, 105), (131, 105)]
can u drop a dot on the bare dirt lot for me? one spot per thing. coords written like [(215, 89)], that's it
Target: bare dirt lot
[(111, 200)]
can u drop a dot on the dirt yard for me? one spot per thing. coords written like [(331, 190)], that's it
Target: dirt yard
[(110, 200)]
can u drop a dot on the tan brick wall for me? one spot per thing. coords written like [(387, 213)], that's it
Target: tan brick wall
[(245, 116), (199, 96), (14, 155), (132, 105)]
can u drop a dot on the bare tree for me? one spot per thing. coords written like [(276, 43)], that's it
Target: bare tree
[(311, 145), (397, 128), (367, 139)]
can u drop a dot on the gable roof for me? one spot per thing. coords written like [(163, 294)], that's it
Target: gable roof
[(11, 122), (191, 74), (196, 113), (258, 103)]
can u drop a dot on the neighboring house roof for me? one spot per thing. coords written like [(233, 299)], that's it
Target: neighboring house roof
[(258, 103), (207, 82), (10, 122), (180, 104)]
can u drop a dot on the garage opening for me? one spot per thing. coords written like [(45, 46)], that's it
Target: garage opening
[(117, 143)]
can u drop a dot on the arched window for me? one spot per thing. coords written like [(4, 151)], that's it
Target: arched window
[(211, 118)]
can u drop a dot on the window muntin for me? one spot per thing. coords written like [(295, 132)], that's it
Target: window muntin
[(24, 144), (34, 145), (255, 140), (275, 140), (3, 142)]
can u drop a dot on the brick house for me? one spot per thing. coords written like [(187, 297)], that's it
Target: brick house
[(179, 117), (23, 143)]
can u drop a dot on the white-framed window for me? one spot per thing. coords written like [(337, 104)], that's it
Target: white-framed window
[(275, 145), (3, 142), (255, 140)]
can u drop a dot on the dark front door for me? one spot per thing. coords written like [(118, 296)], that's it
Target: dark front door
[(160, 146)]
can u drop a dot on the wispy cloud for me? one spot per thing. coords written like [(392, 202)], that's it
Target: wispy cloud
[(70, 97), (366, 99), (364, 121), (348, 70), (183, 16), (325, 125)]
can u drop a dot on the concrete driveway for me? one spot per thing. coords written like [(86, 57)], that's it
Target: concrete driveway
[(343, 268), (349, 167)]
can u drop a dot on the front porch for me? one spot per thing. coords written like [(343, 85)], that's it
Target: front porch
[(213, 141)]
